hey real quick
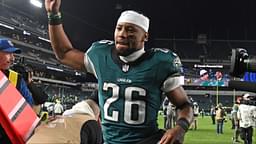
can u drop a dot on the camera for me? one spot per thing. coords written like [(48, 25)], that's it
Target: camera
[(241, 62), (250, 101)]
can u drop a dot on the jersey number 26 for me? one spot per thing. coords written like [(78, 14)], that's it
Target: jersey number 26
[(128, 103)]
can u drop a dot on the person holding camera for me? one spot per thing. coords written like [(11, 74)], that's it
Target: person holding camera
[(39, 96), (246, 115), (220, 118)]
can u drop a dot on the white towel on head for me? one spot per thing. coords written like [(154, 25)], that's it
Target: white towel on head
[(134, 17), (80, 108)]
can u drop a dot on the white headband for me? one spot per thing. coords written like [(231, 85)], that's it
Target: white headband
[(133, 17)]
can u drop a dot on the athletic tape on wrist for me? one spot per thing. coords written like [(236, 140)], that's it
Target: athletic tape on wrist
[(54, 18)]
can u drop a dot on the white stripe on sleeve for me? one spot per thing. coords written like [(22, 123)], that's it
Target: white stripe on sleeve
[(89, 65), (172, 82)]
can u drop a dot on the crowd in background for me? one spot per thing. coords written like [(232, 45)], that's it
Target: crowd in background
[(242, 117)]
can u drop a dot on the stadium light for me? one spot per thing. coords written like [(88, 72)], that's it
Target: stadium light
[(36, 3), (26, 33), (7, 26), (44, 39), (53, 68)]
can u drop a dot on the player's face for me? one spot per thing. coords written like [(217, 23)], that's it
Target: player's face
[(129, 38), (205, 77), (6, 60)]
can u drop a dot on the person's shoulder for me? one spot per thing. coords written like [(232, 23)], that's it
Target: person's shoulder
[(14, 74), (12, 71), (164, 54), (162, 51), (103, 43)]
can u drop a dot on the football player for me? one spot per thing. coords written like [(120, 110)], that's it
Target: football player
[(131, 79)]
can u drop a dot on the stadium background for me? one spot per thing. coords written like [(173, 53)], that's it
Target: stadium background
[(202, 33)]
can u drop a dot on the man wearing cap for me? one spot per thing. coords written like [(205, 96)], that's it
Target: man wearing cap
[(7, 50), (204, 78), (131, 80)]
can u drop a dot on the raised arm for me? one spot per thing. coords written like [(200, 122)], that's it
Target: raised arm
[(61, 45)]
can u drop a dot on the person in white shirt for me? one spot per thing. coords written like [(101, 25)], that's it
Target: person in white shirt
[(171, 116), (58, 108), (246, 115), (165, 105), (196, 112)]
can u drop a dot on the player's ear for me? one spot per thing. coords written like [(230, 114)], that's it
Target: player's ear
[(146, 37)]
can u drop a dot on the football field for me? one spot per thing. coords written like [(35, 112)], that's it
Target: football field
[(206, 133)]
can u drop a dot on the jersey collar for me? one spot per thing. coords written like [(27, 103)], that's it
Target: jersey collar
[(132, 57), (140, 58)]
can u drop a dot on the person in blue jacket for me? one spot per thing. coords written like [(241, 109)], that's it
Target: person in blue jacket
[(7, 58)]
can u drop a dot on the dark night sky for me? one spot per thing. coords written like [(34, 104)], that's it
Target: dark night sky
[(89, 20)]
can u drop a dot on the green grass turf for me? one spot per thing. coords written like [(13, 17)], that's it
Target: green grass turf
[(206, 133)]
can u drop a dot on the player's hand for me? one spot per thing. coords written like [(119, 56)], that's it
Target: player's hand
[(173, 136), (30, 79), (52, 5)]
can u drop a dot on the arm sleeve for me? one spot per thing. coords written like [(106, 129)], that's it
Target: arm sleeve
[(88, 64), (172, 82), (174, 70)]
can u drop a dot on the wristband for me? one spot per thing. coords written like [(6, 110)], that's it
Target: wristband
[(54, 18), (183, 123)]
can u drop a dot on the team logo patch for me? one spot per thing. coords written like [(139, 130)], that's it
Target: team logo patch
[(177, 62), (125, 68)]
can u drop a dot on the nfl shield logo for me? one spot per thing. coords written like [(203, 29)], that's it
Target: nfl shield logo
[(125, 68)]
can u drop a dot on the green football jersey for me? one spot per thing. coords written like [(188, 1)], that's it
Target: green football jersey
[(130, 93)]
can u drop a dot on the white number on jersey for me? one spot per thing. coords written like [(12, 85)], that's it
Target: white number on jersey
[(106, 42), (129, 102)]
